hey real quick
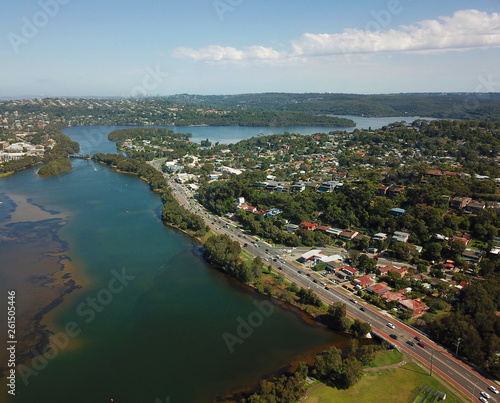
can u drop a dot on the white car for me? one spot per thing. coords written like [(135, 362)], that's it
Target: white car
[(391, 325), (493, 389), (484, 394), (483, 400)]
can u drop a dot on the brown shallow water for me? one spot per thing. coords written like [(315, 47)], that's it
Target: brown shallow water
[(33, 264)]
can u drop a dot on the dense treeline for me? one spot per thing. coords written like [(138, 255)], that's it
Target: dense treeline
[(64, 146), (20, 164), (56, 166), (259, 118), (172, 212), (474, 324), (224, 253), (159, 111), (285, 389), (442, 106)]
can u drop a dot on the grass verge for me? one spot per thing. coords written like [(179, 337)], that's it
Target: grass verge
[(389, 385), (387, 357)]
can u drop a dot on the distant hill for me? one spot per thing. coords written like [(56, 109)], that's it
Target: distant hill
[(470, 106)]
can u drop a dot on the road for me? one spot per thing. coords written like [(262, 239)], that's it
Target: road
[(436, 358)]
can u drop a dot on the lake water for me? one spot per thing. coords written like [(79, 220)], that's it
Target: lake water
[(152, 322), (95, 137)]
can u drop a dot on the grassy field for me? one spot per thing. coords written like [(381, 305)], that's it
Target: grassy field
[(389, 385), (385, 358)]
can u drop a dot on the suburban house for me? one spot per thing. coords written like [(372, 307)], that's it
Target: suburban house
[(460, 202), (347, 272), (397, 212), (365, 281), (390, 296), (379, 288), (475, 207), (308, 226), (328, 186), (348, 234), (472, 255), (403, 271), (334, 231), (414, 306), (395, 190), (291, 227), (400, 236), (273, 212), (360, 237), (382, 190), (298, 187), (379, 236), (323, 228)]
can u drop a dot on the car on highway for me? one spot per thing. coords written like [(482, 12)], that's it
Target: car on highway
[(353, 300), (298, 271), (482, 399), (493, 389), (485, 395), (280, 268), (327, 288), (362, 309), (391, 325), (315, 281), (393, 336), (421, 344), (245, 245), (410, 343), (417, 338)]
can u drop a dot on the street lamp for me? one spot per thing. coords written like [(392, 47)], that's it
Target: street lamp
[(457, 344)]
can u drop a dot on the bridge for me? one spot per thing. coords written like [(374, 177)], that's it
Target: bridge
[(82, 157)]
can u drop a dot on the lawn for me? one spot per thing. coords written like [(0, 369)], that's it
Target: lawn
[(389, 385), (389, 357)]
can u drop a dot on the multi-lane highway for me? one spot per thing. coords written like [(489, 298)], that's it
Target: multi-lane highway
[(433, 357)]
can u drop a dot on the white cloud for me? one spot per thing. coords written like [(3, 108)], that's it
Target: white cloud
[(466, 29), (216, 53)]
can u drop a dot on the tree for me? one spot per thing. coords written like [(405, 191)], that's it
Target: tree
[(367, 264), (403, 251), (352, 372), (309, 297), (359, 329), (328, 365), (354, 256), (338, 319)]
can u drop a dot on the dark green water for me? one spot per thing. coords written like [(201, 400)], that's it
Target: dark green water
[(156, 335)]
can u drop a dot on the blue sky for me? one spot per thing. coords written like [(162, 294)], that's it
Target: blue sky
[(163, 47)]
